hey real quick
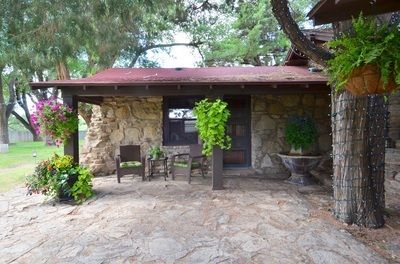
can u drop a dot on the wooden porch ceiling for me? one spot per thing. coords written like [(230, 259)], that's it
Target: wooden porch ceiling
[(329, 11)]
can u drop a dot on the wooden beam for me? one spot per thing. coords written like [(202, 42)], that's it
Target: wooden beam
[(217, 169), (71, 146), (217, 90), (97, 100), (343, 1)]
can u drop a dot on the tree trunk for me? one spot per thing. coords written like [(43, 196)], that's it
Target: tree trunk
[(62, 71), (358, 137), (4, 139), (282, 14), (358, 124)]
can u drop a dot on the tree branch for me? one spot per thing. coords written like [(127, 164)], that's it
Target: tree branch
[(158, 46), (24, 122), (300, 41)]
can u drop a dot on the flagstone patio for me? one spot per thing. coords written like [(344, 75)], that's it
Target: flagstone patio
[(252, 221)]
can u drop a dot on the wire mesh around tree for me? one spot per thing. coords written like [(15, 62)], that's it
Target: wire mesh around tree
[(358, 136)]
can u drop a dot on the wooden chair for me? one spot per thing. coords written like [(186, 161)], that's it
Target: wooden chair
[(185, 163), (129, 161)]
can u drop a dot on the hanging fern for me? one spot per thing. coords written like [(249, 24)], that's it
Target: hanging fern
[(368, 43)]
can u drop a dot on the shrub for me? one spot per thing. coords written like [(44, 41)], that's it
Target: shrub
[(300, 132), (59, 177)]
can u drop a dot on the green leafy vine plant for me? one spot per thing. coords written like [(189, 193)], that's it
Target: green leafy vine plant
[(368, 45), (212, 117)]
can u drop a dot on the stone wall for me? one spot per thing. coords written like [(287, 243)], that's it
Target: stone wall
[(134, 120), (269, 115), (121, 121)]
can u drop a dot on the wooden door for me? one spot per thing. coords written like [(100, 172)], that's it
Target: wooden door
[(238, 129)]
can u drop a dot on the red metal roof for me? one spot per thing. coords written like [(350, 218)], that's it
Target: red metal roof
[(212, 75)]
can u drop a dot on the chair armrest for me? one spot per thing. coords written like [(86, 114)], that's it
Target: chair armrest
[(198, 157), (178, 155), (173, 157)]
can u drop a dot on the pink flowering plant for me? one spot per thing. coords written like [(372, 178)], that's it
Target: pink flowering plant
[(55, 120)]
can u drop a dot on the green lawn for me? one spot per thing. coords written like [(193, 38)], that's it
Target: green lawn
[(19, 162)]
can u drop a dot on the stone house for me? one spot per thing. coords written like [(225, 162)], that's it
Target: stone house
[(152, 107)]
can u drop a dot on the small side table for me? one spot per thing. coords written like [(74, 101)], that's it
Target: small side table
[(152, 165)]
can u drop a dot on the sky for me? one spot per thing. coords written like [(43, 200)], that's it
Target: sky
[(180, 56)]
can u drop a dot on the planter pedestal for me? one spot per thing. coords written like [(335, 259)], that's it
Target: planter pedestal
[(300, 167)]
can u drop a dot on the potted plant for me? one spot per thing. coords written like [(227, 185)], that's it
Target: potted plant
[(61, 179), (367, 60), (301, 134), (156, 153)]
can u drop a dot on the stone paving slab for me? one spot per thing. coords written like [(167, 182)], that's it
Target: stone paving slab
[(252, 221)]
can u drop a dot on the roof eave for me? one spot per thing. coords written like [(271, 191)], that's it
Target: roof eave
[(329, 11), (65, 85)]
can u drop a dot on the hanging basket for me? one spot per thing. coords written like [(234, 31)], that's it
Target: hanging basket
[(367, 80)]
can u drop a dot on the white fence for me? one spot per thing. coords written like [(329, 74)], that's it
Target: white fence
[(18, 136)]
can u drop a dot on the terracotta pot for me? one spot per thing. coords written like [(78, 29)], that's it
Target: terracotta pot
[(367, 80)]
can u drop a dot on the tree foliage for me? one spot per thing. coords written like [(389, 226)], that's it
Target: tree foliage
[(243, 32), (41, 40)]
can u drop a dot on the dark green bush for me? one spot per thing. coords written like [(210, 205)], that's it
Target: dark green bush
[(300, 132)]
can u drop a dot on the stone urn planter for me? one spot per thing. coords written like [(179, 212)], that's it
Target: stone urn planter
[(300, 167)]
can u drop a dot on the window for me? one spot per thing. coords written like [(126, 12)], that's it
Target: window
[(179, 120)]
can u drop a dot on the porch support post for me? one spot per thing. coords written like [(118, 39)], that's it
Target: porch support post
[(217, 169), (71, 147)]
